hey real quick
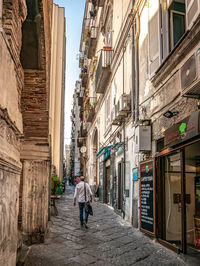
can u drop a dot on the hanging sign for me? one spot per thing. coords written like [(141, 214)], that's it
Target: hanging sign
[(146, 197)]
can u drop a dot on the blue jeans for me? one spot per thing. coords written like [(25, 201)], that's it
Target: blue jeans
[(81, 207)]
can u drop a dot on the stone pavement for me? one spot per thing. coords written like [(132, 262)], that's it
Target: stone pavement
[(108, 241)]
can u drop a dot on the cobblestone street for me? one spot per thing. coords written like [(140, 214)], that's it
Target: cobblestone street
[(108, 241)]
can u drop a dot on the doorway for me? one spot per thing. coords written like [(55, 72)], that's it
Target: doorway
[(178, 207), (107, 185), (171, 200), (120, 184), (192, 190)]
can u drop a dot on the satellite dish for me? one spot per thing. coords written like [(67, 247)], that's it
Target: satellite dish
[(83, 149)]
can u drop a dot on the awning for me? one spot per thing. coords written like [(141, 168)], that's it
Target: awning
[(104, 151)]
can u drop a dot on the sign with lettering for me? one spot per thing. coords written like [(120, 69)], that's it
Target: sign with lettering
[(186, 129), (146, 196)]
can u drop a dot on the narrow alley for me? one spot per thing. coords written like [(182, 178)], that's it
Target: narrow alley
[(108, 241)]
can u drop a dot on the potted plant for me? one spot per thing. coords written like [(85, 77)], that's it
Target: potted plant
[(56, 185)]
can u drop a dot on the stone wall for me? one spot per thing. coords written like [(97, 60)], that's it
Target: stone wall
[(35, 200), (11, 127), (35, 152), (10, 169), (35, 104)]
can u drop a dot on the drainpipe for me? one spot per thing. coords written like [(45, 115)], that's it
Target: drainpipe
[(133, 76), (136, 61), (124, 163)]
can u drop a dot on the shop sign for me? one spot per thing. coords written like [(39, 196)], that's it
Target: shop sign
[(146, 197), (185, 130)]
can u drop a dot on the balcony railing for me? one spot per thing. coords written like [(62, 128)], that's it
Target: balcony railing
[(103, 70), (92, 42), (90, 115), (84, 76), (83, 131)]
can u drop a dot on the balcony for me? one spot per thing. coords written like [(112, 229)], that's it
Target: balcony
[(80, 100), (90, 115), (84, 76), (79, 142), (83, 130), (81, 59), (103, 70), (92, 42)]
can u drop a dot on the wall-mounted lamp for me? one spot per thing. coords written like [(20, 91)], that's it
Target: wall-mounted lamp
[(170, 114)]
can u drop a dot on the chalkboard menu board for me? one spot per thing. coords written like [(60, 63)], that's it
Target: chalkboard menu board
[(146, 196)]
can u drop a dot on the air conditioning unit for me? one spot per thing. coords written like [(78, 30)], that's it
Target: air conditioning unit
[(143, 138), (190, 76), (114, 119), (124, 105)]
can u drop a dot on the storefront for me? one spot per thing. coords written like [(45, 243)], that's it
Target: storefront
[(175, 197), (105, 180), (178, 187)]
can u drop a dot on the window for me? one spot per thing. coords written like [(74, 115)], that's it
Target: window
[(108, 37), (177, 22), (1, 7), (107, 112), (168, 21)]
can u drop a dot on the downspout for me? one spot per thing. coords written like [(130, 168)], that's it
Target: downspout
[(124, 162), (136, 50), (50, 162), (133, 104)]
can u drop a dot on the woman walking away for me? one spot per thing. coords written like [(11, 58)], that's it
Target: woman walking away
[(84, 194)]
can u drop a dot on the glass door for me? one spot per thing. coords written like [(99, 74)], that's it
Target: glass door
[(171, 211), (192, 198)]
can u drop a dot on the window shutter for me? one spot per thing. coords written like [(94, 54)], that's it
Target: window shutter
[(164, 31), (154, 37), (192, 11), (1, 8)]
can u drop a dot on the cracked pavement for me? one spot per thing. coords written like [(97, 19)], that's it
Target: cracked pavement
[(109, 240)]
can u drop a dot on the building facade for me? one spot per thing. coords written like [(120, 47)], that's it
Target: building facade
[(75, 163), (57, 89), (140, 73), (67, 160), (25, 41)]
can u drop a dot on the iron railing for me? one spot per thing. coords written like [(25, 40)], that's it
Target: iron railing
[(105, 60)]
